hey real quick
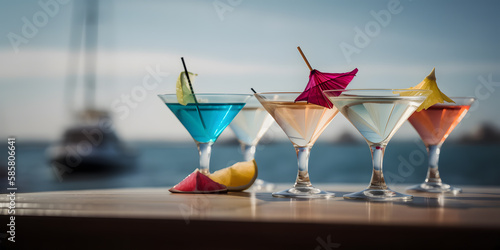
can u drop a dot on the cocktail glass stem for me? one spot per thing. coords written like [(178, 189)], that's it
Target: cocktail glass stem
[(248, 151), (377, 181), (378, 190), (433, 172), (303, 163), (433, 182), (205, 150), (303, 187)]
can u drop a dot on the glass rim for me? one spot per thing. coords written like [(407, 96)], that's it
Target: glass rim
[(462, 97), (208, 98), (277, 93), (207, 94), (376, 93), (458, 101), (339, 90)]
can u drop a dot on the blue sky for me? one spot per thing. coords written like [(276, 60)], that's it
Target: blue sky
[(244, 44)]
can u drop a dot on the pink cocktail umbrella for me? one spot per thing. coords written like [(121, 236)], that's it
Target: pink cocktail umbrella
[(319, 81)]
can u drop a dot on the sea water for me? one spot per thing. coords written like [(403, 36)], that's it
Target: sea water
[(165, 164)]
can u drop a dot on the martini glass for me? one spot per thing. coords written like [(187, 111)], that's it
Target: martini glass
[(303, 123), (377, 114), (434, 125), (206, 119), (250, 125)]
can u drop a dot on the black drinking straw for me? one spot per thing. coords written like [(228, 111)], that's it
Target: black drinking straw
[(192, 92), (255, 92)]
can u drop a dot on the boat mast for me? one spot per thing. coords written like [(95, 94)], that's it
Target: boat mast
[(91, 33), (84, 29)]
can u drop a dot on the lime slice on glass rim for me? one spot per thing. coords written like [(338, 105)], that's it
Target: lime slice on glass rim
[(184, 93)]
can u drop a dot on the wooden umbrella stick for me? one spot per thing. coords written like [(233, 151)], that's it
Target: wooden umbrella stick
[(305, 59)]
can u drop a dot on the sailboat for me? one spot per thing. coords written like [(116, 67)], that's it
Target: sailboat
[(90, 144)]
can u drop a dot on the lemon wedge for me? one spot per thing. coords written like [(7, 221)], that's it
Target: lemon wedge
[(237, 177), (436, 96), (184, 94)]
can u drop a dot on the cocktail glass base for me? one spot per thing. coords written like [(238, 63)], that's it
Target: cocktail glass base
[(303, 192), (378, 195), (430, 187)]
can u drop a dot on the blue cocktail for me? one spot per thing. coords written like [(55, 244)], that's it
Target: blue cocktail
[(206, 119)]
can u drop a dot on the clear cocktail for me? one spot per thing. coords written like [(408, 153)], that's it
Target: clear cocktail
[(251, 123), (377, 114)]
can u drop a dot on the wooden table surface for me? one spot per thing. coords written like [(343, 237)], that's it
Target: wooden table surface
[(127, 218)]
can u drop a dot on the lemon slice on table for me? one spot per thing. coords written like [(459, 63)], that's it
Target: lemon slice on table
[(183, 91), (237, 177), (436, 96)]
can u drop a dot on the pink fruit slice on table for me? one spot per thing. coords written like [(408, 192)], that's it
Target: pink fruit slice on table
[(198, 183)]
